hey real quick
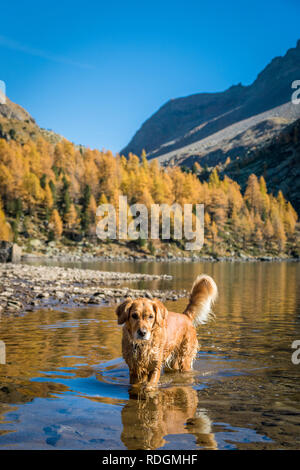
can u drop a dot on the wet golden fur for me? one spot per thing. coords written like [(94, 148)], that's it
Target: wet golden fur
[(154, 337)]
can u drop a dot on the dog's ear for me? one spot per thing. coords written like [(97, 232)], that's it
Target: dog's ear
[(161, 312), (123, 310)]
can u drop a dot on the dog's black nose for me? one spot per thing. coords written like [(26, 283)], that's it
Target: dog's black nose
[(142, 332)]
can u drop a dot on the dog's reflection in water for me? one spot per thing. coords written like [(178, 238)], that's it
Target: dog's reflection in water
[(149, 417)]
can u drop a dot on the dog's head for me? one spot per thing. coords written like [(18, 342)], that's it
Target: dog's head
[(141, 317)]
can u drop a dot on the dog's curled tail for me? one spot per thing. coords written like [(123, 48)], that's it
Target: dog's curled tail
[(203, 294)]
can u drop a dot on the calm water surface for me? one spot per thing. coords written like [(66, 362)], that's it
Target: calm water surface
[(65, 385)]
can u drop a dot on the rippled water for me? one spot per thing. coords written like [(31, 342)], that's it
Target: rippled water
[(65, 385)]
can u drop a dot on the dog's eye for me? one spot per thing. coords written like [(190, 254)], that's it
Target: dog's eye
[(151, 316), (134, 315)]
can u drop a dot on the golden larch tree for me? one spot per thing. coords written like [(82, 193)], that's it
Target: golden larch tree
[(56, 224)]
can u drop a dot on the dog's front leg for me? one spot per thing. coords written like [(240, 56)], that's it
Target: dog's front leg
[(154, 375), (133, 378), (137, 379)]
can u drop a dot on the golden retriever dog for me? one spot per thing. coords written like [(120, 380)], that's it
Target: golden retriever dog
[(154, 337)]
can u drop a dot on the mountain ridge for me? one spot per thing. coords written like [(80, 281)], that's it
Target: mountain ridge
[(16, 123), (183, 121)]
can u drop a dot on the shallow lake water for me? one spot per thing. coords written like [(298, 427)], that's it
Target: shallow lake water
[(65, 385)]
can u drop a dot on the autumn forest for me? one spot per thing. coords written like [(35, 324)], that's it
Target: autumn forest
[(55, 188)]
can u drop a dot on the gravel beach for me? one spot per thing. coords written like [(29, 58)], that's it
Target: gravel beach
[(25, 287)]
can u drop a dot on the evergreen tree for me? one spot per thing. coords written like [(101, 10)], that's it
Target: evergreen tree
[(64, 202), (85, 216)]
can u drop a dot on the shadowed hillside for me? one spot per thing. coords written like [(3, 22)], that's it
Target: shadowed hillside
[(278, 162)]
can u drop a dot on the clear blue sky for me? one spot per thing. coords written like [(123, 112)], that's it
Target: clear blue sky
[(94, 71)]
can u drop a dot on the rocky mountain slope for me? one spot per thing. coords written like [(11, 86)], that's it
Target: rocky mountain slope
[(278, 162), (17, 124), (12, 110), (209, 127)]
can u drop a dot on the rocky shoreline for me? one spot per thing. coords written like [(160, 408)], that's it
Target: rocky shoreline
[(86, 252), (89, 258), (26, 288)]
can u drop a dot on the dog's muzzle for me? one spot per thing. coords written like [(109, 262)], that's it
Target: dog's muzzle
[(142, 333)]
